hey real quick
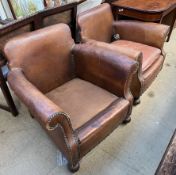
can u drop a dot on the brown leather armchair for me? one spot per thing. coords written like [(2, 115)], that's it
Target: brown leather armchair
[(78, 93), (141, 41)]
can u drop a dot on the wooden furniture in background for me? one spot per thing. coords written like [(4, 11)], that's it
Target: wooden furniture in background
[(6, 21), (160, 11)]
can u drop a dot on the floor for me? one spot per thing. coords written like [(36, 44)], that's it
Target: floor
[(134, 149)]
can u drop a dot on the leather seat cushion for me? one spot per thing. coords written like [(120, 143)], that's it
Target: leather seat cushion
[(150, 54), (102, 125), (150, 75), (81, 100)]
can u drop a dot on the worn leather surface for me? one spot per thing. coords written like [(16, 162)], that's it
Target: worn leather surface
[(86, 101), (43, 109), (151, 34), (43, 68), (5, 37), (120, 49), (143, 37), (103, 123), (96, 23), (137, 80), (101, 67), (151, 74), (37, 102), (40, 50), (150, 54)]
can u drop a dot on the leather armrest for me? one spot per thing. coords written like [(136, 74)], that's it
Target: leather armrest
[(50, 115), (38, 104), (130, 53), (148, 33), (105, 68)]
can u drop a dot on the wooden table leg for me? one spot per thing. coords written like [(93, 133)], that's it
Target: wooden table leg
[(114, 12), (6, 92), (169, 20), (172, 25)]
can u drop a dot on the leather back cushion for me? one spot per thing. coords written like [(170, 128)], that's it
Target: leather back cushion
[(43, 55), (96, 23)]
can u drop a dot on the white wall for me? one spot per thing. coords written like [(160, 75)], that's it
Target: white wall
[(6, 6), (88, 4), (2, 13)]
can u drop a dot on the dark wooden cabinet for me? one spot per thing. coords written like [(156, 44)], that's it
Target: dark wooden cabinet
[(151, 10)]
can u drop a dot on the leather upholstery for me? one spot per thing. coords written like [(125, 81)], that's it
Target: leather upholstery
[(151, 74), (83, 95), (103, 123), (141, 41), (137, 80), (151, 34), (97, 21), (150, 54), (102, 71), (41, 51)]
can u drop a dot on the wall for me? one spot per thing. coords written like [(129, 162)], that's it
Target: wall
[(8, 13), (88, 4)]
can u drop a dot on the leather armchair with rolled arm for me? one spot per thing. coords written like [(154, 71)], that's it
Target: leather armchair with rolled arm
[(142, 41), (78, 93)]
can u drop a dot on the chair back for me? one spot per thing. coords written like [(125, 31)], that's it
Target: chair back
[(43, 55), (96, 23)]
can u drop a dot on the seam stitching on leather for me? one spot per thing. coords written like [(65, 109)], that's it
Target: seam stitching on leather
[(75, 160)]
